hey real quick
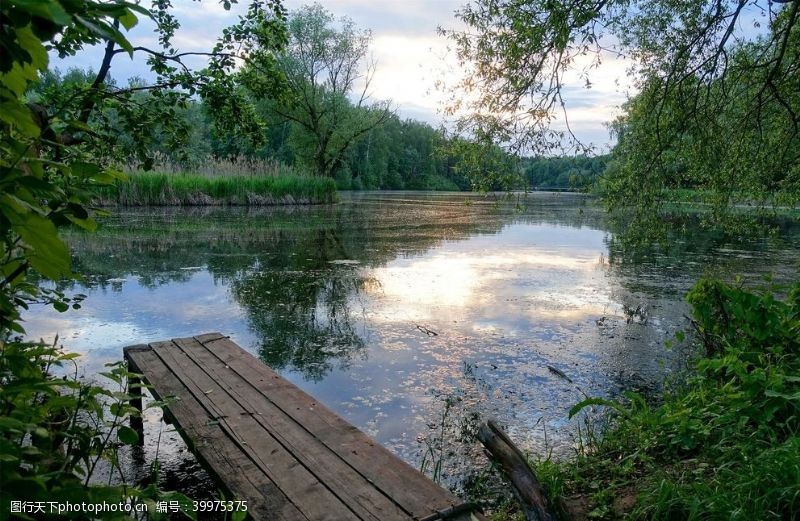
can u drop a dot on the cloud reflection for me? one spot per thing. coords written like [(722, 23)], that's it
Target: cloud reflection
[(470, 278)]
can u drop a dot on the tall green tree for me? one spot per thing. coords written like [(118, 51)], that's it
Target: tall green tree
[(328, 79), (718, 83), (56, 147)]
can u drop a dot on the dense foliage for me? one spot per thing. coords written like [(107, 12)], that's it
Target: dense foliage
[(574, 173), (59, 437), (722, 445), (733, 139), (394, 155), (56, 148), (718, 103), (397, 154)]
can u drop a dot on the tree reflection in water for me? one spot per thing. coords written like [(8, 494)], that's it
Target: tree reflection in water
[(303, 318)]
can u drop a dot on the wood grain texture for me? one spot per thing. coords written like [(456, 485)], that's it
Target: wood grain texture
[(524, 483), (275, 446)]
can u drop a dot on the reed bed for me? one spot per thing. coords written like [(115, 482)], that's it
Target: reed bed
[(161, 189), (217, 167)]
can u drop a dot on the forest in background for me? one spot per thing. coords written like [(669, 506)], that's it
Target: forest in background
[(398, 154)]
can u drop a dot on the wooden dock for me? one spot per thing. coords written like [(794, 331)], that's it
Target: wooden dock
[(268, 443)]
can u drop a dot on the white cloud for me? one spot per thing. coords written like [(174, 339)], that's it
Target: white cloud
[(409, 53)]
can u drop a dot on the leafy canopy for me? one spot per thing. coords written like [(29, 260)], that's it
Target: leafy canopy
[(718, 107), (56, 145)]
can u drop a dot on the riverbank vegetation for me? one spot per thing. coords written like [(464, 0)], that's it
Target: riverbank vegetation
[(721, 444), (159, 189), (713, 122)]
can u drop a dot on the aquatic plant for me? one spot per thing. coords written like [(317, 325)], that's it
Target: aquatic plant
[(159, 189), (725, 444)]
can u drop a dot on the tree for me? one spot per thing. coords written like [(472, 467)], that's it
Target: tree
[(717, 90), (56, 147), (731, 140), (322, 65)]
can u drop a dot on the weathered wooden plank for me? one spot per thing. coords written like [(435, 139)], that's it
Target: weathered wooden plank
[(273, 444), (413, 491), (212, 445), (312, 497), (343, 480)]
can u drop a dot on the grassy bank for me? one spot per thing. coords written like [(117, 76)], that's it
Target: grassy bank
[(159, 189), (724, 444)]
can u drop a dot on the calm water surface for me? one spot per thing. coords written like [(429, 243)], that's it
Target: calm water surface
[(386, 304)]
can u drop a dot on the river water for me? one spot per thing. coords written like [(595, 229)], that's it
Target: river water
[(406, 313)]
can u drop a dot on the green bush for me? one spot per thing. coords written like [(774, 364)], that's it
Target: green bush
[(157, 189), (725, 445), (58, 433)]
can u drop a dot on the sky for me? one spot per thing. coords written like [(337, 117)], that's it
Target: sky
[(410, 57)]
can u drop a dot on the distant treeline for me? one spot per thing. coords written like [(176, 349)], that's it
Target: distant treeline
[(574, 173), (397, 154)]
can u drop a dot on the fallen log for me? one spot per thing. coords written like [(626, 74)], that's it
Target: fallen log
[(526, 486)]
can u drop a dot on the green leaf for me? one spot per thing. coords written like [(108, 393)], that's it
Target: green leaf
[(578, 407), (83, 169), (128, 20), (127, 435), (141, 10), (787, 396), (46, 252), (79, 125), (87, 224), (33, 45), (107, 32), (19, 116), (11, 424), (47, 9)]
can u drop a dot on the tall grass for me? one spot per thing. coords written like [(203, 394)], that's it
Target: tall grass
[(723, 445), (217, 167), (160, 189)]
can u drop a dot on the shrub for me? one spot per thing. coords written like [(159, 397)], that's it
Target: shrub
[(725, 444)]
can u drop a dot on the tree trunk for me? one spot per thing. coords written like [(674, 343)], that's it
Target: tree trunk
[(526, 486)]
